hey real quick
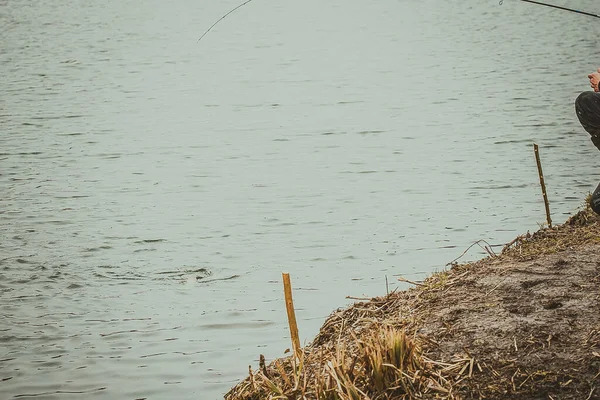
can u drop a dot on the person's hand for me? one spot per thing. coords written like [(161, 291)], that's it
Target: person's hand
[(594, 78)]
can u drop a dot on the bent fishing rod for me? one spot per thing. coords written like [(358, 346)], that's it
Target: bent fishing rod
[(222, 18), (558, 7), (501, 2)]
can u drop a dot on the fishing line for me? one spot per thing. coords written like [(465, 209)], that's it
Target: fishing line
[(222, 18), (558, 7)]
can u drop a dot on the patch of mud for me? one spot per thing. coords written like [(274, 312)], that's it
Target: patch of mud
[(533, 326)]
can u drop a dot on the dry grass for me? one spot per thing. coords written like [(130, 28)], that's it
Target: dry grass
[(519, 325), (582, 228), (384, 364)]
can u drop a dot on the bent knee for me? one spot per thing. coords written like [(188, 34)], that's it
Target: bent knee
[(586, 98)]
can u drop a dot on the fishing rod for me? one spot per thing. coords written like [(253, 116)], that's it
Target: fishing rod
[(222, 18), (559, 7), (501, 2)]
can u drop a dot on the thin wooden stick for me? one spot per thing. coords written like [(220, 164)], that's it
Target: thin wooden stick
[(359, 298), (539, 167), (468, 248), (402, 279), (289, 305)]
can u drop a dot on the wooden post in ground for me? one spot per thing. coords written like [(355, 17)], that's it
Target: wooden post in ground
[(541, 174), (289, 305)]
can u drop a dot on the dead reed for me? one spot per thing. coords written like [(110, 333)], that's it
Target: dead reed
[(385, 364)]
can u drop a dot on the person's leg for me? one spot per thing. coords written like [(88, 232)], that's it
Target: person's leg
[(595, 200), (587, 107)]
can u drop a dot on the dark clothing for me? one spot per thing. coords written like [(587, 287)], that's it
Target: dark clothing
[(595, 200), (587, 107)]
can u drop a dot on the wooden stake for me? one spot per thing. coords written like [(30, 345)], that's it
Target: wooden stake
[(541, 174), (289, 305)]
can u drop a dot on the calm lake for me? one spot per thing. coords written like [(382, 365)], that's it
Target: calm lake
[(154, 188)]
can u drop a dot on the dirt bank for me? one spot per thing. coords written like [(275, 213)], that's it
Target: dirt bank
[(521, 325)]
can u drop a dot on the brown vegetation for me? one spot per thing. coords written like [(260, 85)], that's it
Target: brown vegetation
[(524, 324)]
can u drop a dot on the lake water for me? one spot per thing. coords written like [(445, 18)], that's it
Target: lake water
[(154, 188)]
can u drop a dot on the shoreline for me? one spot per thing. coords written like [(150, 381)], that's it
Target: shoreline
[(524, 324)]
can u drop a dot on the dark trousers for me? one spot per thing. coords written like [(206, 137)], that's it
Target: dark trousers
[(595, 200), (587, 107)]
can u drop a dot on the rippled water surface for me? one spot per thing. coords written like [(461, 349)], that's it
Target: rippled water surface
[(154, 188)]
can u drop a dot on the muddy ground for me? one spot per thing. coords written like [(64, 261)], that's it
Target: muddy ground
[(524, 324), (533, 326)]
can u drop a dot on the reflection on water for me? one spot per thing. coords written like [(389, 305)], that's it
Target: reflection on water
[(154, 188)]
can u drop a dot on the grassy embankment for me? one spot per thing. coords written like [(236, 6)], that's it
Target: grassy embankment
[(524, 324)]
